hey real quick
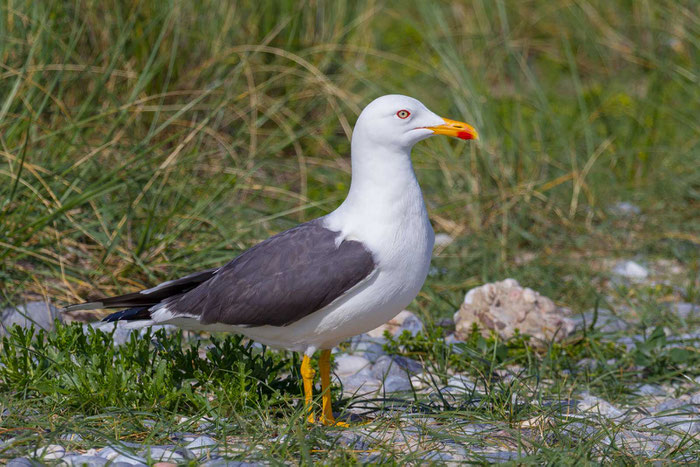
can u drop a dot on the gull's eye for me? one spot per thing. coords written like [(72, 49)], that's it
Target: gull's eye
[(403, 114)]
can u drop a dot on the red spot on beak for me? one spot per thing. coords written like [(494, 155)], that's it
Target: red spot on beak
[(464, 135)]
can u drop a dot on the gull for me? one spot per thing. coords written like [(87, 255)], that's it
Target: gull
[(326, 280)]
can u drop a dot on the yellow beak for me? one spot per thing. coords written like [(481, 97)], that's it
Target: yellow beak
[(454, 128)]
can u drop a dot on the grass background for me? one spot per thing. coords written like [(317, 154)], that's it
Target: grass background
[(140, 141)]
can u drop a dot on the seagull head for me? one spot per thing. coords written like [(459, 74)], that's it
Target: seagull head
[(398, 121)]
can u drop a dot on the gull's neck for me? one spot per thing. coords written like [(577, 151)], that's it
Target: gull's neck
[(384, 187)]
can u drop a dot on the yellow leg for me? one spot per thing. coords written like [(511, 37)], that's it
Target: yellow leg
[(307, 374), (324, 364)]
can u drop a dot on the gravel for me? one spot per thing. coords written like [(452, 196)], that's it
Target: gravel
[(664, 417)]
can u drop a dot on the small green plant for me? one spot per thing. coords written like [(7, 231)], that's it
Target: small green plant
[(661, 358), (152, 371)]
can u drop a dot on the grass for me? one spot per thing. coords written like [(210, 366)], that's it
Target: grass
[(145, 140)]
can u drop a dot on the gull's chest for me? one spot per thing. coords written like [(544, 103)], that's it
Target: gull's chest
[(405, 241), (402, 248)]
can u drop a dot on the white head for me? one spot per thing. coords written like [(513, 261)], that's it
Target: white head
[(398, 122)]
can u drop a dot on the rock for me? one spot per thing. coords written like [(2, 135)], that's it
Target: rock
[(688, 423), (221, 462), (370, 350), (595, 405), (452, 339), (624, 209), (202, 446), (348, 365), (50, 452), (686, 310), (587, 364), (408, 364), (447, 324), (443, 239), (71, 437), (630, 270), (639, 443), (40, 314), (351, 440), (395, 366), (403, 321), (470, 428), (651, 390), (460, 384), (117, 455), (671, 405), (580, 430), (604, 321), (500, 457), (162, 454), (695, 399), (121, 335), (80, 460), (361, 382), (395, 383), (630, 342), (419, 381), (505, 306), (437, 456), (22, 462)]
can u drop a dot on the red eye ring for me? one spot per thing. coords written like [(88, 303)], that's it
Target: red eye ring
[(403, 114)]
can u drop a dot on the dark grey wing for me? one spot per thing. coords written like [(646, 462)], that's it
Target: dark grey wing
[(278, 281), (149, 297)]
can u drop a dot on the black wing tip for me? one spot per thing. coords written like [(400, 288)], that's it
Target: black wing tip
[(131, 314)]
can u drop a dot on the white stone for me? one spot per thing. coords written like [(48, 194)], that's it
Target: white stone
[(52, 451), (347, 365), (161, 454), (78, 460), (418, 381), (624, 208), (361, 383), (443, 239), (115, 456), (596, 405), (630, 270), (460, 383), (202, 445), (651, 390), (396, 383), (405, 320)]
